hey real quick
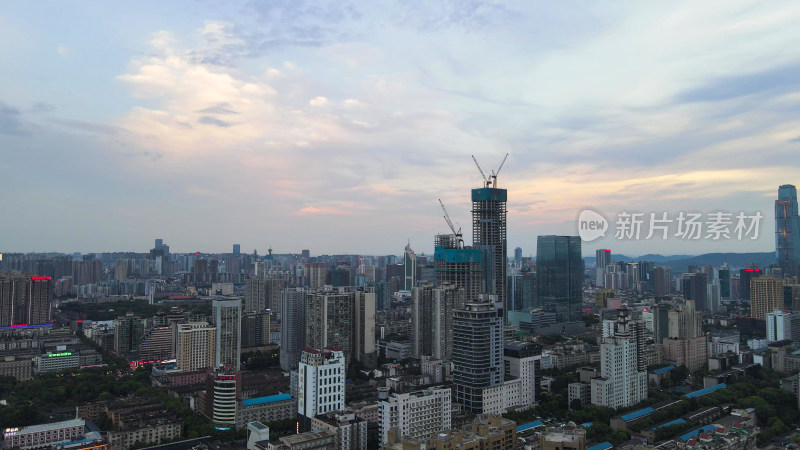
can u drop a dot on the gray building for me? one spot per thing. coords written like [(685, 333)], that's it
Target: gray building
[(559, 276)]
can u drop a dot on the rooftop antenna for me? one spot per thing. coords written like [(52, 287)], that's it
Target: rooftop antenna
[(457, 234)]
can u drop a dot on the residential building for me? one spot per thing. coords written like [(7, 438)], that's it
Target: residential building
[(227, 318), (293, 327), (25, 300), (418, 415), (320, 382), (621, 383), (196, 346), (44, 435), (766, 295), (351, 431)]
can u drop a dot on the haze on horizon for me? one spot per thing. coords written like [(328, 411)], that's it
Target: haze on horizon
[(336, 126)]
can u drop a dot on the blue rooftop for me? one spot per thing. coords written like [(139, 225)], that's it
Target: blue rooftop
[(663, 369), (602, 446), (705, 391), (587, 424), (671, 422), (267, 399), (693, 433), (529, 426), (636, 414)]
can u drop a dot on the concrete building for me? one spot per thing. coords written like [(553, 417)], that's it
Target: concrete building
[(320, 382), (351, 431), (602, 259), (293, 327), (686, 345), (19, 369), (256, 328), (621, 383), (477, 352), (196, 346), (59, 360), (432, 320), (417, 415), (25, 300), (579, 391), (157, 344), (128, 331), (409, 268), (45, 435), (343, 318), (227, 318), (783, 325), (766, 295), (267, 409), (489, 235), (570, 437), (457, 266)]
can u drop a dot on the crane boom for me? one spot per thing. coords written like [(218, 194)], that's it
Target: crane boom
[(479, 168), (501, 165), (457, 234)]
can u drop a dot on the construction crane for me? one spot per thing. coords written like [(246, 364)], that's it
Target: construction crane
[(457, 234), (491, 180)]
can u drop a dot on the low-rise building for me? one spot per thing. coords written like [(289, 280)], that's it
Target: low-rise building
[(570, 437), (44, 435), (351, 432), (18, 368), (419, 414), (266, 409), (579, 391)]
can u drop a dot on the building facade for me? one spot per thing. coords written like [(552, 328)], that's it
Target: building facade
[(417, 415)]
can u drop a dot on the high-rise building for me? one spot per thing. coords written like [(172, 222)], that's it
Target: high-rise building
[(263, 293), (87, 272), (787, 230), (766, 295), (222, 389), (662, 282), (559, 276), (128, 331), (783, 325), (293, 327), (745, 275), (417, 415), (237, 249), (725, 281), (477, 351), (316, 274), (320, 382), (363, 311), (255, 328), (694, 288), (489, 235), (518, 254), (227, 317), (343, 319), (25, 300), (602, 259), (432, 320), (409, 268), (460, 267), (622, 383), (157, 344), (686, 344), (196, 346)]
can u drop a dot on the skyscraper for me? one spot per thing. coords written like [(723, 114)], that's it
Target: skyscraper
[(662, 283), (518, 254), (227, 315), (489, 236), (787, 230), (25, 300), (745, 276), (622, 381), (409, 268), (237, 249), (602, 259), (559, 276), (460, 267), (766, 295), (477, 352), (432, 320), (293, 327)]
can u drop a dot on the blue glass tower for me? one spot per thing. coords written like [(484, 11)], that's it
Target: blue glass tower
[(787, 230)]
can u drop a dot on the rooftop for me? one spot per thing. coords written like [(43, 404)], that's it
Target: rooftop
[(705, 391), (52, 426), (636, 414), (267, 399), (663, 369), (529, 426)]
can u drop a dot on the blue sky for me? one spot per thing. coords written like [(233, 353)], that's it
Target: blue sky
[(336, 126)]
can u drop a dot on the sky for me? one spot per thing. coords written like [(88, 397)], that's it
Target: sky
[(336, 126)]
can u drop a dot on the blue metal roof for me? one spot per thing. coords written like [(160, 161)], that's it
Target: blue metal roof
[(587, 424), (601, 446), (671, 422), (529, 425), (705, 391), (663, 369), (693, 433), (636, 414), (267, 399)]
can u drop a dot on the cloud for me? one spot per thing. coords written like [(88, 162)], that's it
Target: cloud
[(774, 80), (11, 122), (214, 121), (63, 50)]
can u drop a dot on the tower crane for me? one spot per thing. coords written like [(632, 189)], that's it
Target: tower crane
[(457, 234), (491, 180)]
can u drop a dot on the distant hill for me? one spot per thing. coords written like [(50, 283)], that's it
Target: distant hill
[(681, 263)]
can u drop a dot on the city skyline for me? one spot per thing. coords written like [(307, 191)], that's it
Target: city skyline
[(332, 127)]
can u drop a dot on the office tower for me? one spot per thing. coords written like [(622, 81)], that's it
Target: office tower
[(293, 327), (714, 295), (432, 320), (661, 322), (305, 254), (783, 325), (409, 268), (686, 344), (460, 267), (518, 254), (725, 281), (745, 276), (489, 236), (622, 382), (320, 382), (766, 295), (559, 276), (227, 317), (787, 230), (416, 415), (694, 288), (316, 274), (329, 321), (477, 351), (237, 249), (515, 298), (363, 313), (157, 344), (222, 389), (25, 300), (159, 243), (602, 259), (255, 328), (196, 346), (128, 331)]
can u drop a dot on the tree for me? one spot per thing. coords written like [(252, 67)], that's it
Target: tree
[(576, 404)]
